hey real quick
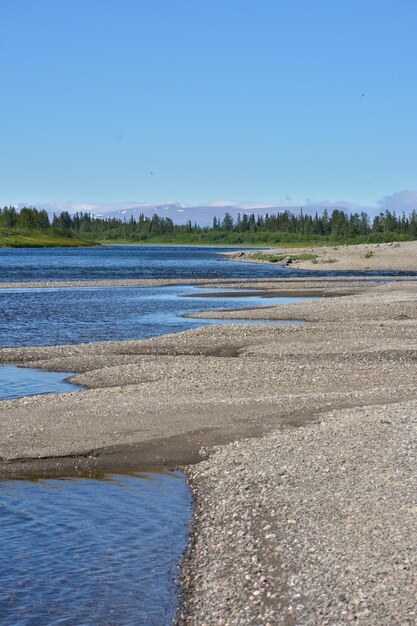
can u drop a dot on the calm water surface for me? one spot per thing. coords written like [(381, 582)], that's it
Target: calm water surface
[(16, 382), (92, 552), (112, 262), (109, 262), (72, 315)]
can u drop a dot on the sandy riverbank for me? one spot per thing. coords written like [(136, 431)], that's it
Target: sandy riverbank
[(396, 256), (213, 384), (303, 525)]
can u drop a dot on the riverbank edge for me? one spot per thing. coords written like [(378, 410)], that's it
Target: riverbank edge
[(311, 561), (343, 606), (168, 452), (194, 474), (372, 257)]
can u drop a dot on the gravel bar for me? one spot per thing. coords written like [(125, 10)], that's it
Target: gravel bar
[(311, 525), (299, 443)]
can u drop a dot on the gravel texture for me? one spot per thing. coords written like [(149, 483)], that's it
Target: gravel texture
[(306, 513), (314, 525), (282, 281), (130, 282)]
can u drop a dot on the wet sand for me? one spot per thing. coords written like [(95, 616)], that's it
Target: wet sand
[(315, 425)]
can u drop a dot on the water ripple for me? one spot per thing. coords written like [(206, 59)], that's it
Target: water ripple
[(92, 552)]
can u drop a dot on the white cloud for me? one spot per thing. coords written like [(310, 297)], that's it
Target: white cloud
[(399, 201), (311, 206), (203, 213), (234, 204)]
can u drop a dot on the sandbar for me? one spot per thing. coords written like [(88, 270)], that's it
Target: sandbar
[(298, 442), (392, 257)]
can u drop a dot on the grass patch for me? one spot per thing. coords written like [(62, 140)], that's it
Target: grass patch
[(21, 239), (369, 254), (276, 258)]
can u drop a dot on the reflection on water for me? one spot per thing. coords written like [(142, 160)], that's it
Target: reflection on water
[(16, 382), (92, 552)]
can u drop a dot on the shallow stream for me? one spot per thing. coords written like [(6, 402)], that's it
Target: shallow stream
[(87, 314), (93, 550), (16, 382)]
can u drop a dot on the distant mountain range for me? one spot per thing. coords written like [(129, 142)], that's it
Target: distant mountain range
[(181, 214), (203, 214)]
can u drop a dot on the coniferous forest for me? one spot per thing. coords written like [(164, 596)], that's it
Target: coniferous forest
[(30, 226)]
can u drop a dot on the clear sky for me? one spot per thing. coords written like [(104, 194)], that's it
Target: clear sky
[(272, 101)]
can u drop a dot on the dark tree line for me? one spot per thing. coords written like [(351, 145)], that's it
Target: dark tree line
[(27, 218), (337, 225)]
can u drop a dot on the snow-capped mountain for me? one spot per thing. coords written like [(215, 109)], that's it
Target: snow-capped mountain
[(202, 214), (180, 213)]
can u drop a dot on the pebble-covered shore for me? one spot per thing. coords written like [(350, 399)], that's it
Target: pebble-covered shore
[(311, 525), (306, 512), (316, 524)]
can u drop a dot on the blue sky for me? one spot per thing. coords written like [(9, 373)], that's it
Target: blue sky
[(273, 101)]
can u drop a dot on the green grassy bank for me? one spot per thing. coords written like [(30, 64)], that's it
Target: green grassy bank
[(279, 239), (53, 238), (33, 239)]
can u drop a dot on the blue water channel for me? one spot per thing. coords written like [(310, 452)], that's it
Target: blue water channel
[(92, 551), (137, 262), (54, 316), (16, 382), (126, 262)]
